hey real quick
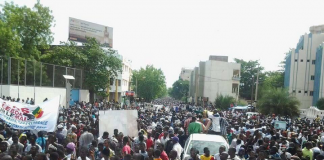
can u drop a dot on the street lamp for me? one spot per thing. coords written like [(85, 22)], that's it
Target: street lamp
[(68, 89)]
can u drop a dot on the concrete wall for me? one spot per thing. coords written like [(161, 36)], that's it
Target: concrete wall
[(214, 78), (40, 93), (302, 68), (219, 79), (185, 74)]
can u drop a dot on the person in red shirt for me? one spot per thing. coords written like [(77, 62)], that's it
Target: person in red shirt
[(126, 149), (149, 141), (163, 155)]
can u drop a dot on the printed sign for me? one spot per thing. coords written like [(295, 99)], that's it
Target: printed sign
[(123, 120), (280, 125), (21, 116), (79, 30)]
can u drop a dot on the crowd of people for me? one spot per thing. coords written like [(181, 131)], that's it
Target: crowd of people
[(162, 135)]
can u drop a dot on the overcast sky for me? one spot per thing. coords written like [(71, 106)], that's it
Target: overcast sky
[(171, 34)]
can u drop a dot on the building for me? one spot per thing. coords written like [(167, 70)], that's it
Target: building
[(185, 74), (214, 77), (303, 69), (123, 80)]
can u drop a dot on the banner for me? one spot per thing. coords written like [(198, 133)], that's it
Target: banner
[(123, 120), (79, 30), (22, 116)]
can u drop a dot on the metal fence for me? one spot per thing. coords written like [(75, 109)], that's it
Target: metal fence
[(23, 72)]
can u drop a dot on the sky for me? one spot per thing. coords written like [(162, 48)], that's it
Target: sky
[(171, 34)]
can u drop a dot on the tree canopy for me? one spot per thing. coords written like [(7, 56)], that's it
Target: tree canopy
[(99, 65), (24, 31), (248, 69), (278, 101), (320, 104), (150, 83), (180, 89)]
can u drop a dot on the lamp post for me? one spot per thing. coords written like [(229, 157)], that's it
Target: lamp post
[(68, 89)]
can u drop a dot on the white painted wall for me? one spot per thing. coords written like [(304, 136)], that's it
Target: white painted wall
[(301, 71), (84, 95), (185, 74), (218, 79), (40, 93)]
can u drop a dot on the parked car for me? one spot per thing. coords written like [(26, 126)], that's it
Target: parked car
[(200, 141)]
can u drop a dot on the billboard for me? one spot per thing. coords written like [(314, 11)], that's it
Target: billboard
[(79, 30)]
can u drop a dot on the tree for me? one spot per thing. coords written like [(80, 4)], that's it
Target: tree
[(180, 89), (278, 101), (249, 69), (224, 102), (31, 27), (98, 65), (320, 104), (150, 83)]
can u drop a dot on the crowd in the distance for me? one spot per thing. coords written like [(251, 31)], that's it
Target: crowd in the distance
[(162, 135)]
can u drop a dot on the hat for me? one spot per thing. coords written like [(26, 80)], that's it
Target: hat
[(176, 139), (59, 126), (71, 146), (189, 115)]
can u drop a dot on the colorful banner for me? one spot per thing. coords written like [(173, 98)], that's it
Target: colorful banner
[(22, 116)]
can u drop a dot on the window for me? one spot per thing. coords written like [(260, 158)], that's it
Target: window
[(301, 60), (299, 91), (295, 60), (305, 92), (312, 77), (307, 60), (313, 61), (111, 81), (294, 91), (311, 93), (119, 81)]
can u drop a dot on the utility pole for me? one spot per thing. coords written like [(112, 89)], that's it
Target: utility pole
[(252, 89), (196, 98), (256, 88)]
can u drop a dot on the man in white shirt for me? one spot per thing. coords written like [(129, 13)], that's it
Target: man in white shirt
[(221, 149), (177, 147), (103, 138)]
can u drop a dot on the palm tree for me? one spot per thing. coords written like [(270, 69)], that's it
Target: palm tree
[(278, 101), (224, 102)]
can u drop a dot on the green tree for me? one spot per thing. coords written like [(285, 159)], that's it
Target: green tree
[(180, 89), (31, 26), (99, 65), (278, 101), (150, 83), (320, 104), (249, 69), (224, 102)]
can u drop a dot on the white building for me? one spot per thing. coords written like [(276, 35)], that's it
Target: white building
[(123, 79), (303, 69), (215, 77), (185, 74)]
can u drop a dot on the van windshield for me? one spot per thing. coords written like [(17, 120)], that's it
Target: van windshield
[(200, 145)]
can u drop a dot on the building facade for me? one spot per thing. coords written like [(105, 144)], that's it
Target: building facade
[(215, 77), (304, 68), (185, 74), (123, 80)]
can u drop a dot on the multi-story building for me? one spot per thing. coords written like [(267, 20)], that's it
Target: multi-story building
[(215, 77), (123, 80), (303, 69), (185, 74)]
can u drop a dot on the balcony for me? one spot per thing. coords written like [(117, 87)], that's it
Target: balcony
[(236, 78)]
